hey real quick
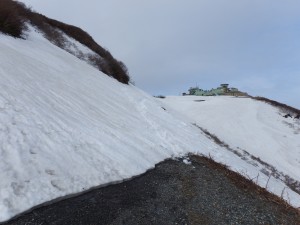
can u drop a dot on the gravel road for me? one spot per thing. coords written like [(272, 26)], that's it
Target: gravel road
[(173, 193)]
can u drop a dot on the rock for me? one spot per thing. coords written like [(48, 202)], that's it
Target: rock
[(287, 116)]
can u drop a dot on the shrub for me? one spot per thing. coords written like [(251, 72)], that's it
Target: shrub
[(111, 66), (13, 15), (11, 22), (278, 104)]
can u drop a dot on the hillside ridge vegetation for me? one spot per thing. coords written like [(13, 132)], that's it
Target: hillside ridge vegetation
[(278, 104), (13, 18)]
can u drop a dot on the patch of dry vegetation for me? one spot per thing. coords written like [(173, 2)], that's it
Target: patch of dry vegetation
[(13, 18), (278, 104), (246, 184), (267, 169), (11, 22)]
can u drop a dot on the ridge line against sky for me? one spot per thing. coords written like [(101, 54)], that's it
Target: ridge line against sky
[(170, 46)]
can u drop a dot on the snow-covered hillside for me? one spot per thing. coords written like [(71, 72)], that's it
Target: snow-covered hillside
[(254, 130), (66, 127)]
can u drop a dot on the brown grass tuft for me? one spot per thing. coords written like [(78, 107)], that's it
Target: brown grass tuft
[(246, 184)]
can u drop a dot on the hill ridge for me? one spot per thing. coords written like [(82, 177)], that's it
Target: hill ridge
[(13, 18)]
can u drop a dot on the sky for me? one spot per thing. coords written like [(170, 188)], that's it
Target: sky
[(172, 45)]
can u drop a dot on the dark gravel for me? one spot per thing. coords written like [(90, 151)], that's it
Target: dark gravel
[(172, 193)]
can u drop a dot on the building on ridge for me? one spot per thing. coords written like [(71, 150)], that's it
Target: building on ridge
[(223, 89)]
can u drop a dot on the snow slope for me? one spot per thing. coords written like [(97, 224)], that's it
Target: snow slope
[(65, 127), (247, 125)]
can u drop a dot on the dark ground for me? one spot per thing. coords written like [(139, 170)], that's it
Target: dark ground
[(172, 193)]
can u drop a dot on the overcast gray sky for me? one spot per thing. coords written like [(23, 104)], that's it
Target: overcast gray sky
[(171, 45)]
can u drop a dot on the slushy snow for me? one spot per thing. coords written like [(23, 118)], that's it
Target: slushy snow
[(66, 127)]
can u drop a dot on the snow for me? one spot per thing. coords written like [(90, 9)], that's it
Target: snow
[(65, 127), (247, 124), (77, 49)]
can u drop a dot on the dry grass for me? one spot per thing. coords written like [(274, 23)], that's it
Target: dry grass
[(11, 22), (278, 105), (14, 14), (246, 184), (268, 169)]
